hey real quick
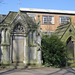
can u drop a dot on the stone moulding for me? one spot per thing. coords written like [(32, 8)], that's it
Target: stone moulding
[(19, 24)]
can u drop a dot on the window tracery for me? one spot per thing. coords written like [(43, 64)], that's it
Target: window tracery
[(18, 28)]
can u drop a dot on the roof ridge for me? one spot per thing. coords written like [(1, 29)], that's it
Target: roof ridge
[(62, 29), (63, 24), (47, 10), (66, 29), (6, 16)]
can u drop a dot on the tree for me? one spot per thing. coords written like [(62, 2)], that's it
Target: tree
[(54, 51)]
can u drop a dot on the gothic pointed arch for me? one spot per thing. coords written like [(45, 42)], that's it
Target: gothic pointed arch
[(70, 48), (65, 31), (69, 39), (19, 28), (18, 23)]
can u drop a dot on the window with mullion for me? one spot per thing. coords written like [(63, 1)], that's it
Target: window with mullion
[(47, 19), (64, 19), (50, 19)]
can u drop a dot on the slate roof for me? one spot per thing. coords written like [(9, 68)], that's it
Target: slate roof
[(9, 17), (28, 19), (2, 17), (13, 15), (60, 31)]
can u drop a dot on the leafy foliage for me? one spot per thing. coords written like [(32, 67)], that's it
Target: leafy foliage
[(54, 51)]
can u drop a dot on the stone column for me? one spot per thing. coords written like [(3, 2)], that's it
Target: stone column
[(6, 55), (11, 51), (25, 51), (2, 47), (30, 37), (74, 49), (2, 34), (7, 37), (2, 54), (34, 37), (5, 49), (39, 56), (7, 44)]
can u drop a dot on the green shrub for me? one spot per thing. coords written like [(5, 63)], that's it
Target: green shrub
[(54, 51)]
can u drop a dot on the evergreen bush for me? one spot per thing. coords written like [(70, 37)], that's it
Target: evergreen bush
[(54, 51)]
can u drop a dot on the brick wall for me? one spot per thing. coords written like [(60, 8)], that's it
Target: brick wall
[(52, 27)]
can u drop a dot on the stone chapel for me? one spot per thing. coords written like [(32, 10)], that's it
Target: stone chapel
[(20, 39)]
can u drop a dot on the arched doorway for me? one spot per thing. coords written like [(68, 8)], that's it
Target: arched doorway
[(18, 43), (70, 48)]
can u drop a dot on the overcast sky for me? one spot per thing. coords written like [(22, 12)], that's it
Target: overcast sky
[(13, 5)]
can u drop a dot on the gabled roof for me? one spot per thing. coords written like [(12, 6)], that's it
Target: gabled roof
[(13, 17), (61, 29), (28, 19), (9, 17), (65, 31), (2, 17)]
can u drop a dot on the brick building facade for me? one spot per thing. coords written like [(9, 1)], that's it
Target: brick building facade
[(50, 19)]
